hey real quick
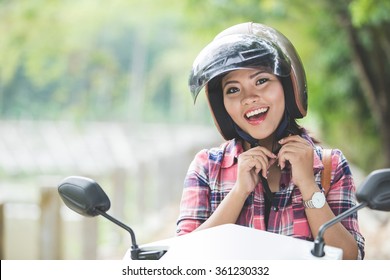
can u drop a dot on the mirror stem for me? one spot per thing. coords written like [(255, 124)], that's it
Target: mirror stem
[(319, 242), (122, 225)]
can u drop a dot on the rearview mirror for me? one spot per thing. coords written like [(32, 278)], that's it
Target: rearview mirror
[(375, 190), (84, 196)]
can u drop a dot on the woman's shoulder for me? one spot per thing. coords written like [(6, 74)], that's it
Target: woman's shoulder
[(322, 150), (227, 148), (224, 146), (339, 164), (335, 153)]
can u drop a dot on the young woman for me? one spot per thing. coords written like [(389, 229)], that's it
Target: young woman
[(267, 175)]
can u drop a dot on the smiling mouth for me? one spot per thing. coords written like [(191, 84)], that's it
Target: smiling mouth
[(256, 114)]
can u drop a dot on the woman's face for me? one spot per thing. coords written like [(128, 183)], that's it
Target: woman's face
[(254, 99)]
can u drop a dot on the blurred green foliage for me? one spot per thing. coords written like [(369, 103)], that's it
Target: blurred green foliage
[(128, 60)]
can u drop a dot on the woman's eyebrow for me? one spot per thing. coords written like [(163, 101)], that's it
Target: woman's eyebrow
[(224, 84), (228, 82), (257, 73)]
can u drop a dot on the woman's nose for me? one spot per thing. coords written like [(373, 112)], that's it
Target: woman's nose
[(249, 97)]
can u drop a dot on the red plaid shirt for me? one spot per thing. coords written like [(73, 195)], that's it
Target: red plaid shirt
[(213, 173)]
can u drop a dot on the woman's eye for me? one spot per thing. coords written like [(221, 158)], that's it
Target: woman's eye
[(231, 90), (262, 81)]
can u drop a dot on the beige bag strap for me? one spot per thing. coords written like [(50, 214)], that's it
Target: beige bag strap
[(326, 174)]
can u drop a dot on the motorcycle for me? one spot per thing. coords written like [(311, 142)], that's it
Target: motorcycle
[(86, 197)]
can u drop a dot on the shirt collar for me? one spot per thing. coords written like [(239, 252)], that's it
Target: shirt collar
[(317, 162), (233, 149)]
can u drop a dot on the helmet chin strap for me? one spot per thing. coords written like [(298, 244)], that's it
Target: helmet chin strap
[(280, 132)]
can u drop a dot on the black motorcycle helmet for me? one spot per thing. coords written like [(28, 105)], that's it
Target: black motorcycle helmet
[(248, 45)]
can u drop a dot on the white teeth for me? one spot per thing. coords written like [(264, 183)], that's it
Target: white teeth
[(256, 112)]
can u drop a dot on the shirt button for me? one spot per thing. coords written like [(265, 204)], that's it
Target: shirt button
[(275, 208)]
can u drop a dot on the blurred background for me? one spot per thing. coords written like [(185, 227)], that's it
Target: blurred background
[(99, 89)]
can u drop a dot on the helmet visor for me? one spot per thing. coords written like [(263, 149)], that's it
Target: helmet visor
[(235, 52)]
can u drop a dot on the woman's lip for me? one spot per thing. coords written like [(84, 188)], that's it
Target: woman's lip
[(261, 109), (253, 112), (258, 120)]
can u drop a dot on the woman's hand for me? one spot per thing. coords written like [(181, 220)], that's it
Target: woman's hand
[(250, 163), (299, 153)]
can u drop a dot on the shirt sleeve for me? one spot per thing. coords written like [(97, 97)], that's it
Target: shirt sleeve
[(195, 201), (341, 197)]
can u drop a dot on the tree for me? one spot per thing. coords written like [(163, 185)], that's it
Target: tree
[(366, 25)]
